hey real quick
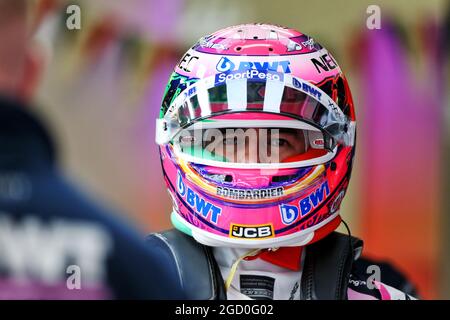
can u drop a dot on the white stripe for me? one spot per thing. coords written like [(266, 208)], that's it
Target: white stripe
[(237, 94), (273, 95), (203, 100)]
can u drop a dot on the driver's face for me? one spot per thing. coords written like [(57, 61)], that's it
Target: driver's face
[(258, 145)]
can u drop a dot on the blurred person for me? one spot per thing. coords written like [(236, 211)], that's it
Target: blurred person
[(54, 242), (257, 138)]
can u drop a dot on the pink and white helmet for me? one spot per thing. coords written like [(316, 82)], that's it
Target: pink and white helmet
[(256, 136)]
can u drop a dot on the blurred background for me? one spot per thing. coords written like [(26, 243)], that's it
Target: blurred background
[(102, 86)]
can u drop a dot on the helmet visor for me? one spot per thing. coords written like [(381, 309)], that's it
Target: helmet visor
[(250, 142), (256, 91)]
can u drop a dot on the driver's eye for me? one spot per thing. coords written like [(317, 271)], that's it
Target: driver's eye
[(279, 142), (229, 141)]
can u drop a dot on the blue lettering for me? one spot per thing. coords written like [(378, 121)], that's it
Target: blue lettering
[(245, 65), (288, 213), (192, 91), (180, 185), (273, 66), (311, 90), (296, 83), (190, 198), (215, 213), (224, 64), (261, 67), (201, 206), (305, 206), (285, 65), (318, 195)]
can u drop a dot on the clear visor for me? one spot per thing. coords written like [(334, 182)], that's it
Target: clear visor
[(251, 142), (189, 126)]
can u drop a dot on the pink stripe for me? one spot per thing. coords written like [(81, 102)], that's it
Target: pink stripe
[(354, 295), (385, 295), (34, 290)]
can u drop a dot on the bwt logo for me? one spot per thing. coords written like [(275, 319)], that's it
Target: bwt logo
[(197, 203), (290, 213), (73, 21), (307, 88), (225, 65), (373, 21)]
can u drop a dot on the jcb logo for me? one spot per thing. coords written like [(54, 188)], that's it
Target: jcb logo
[(251, 232)]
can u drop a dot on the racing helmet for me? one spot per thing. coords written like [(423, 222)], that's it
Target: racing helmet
[(257, 137)]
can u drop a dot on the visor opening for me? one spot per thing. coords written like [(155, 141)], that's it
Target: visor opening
[(284, 178)]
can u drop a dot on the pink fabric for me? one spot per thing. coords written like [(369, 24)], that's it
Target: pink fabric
[(385, 295), (35, 290), (354, 295)]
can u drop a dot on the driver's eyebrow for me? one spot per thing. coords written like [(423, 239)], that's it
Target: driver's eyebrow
[(292, 132)]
